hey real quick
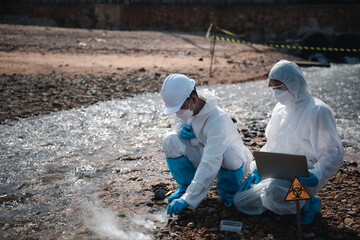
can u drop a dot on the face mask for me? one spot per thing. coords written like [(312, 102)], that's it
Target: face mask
[(284, 97), (185, 114)]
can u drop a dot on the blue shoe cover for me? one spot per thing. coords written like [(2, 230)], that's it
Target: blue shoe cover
[(228, 184), (183, 172), (308, 211)]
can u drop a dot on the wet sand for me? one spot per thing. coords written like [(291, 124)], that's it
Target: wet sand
[(50, 69)]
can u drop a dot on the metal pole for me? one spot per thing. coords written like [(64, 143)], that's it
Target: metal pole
[(212, 50), (298, 220)]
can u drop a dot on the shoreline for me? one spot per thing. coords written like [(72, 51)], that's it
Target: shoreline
[(31, 95), (69, 75), (46, 69)]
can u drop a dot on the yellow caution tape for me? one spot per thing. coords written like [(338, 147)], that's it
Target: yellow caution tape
[(230, 33), (293, 47)]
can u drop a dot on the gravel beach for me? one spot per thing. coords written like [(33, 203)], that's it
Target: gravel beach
[(46, 69)]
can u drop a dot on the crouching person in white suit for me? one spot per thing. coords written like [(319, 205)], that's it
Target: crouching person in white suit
[(300, 124), (204, 143)]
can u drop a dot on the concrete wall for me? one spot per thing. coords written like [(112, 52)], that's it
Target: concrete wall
[(261, 22), (186, 2)]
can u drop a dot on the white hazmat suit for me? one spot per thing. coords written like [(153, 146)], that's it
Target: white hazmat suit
[(217, 143), (305, 126)]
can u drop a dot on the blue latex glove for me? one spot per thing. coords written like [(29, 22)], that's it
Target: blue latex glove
[(252, 178), (186, 132), (178, 193), (176, 206), (310, 181)]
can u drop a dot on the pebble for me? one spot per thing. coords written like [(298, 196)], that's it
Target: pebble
[(347, 221), (309, 235), (191, 224), (177, 228), (159, 194)]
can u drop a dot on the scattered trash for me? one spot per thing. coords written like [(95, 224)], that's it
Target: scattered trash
[(100, 40), (81, 44), (232, 226)]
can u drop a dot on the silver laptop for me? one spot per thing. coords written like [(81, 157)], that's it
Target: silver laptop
[(280, 165)]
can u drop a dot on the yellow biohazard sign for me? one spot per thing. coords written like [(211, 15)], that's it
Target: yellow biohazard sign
[(297, 191)]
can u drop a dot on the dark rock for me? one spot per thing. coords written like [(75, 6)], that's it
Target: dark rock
[(347, 40), (309, 235), (253, 133), (159, 194), (248, 135), (177, 228), (191, 224)]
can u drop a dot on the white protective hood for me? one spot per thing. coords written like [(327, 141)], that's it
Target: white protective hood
[(291, 75), (306, 126)]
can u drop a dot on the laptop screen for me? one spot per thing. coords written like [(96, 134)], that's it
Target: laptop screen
[(280, 165)]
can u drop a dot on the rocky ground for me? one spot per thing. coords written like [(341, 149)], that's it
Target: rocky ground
[(47, 69), (337, 219)]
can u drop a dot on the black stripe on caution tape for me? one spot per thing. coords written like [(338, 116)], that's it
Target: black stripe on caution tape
[(285, 46)]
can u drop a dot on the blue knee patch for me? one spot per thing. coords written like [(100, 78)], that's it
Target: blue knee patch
[(183, 172), (228, 184), (181, 169)]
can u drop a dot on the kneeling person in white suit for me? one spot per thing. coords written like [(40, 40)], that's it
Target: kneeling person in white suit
[(300, 124), (204, 143)]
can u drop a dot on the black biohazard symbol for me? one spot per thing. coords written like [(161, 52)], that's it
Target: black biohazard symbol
[(297, 191)]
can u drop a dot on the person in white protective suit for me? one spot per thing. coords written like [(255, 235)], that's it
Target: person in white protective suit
[(300, 124), (204, 143)]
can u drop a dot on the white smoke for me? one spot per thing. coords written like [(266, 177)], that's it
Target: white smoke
[(106, 224)]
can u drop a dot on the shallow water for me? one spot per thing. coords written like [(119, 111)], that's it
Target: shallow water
[(55, 167)]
